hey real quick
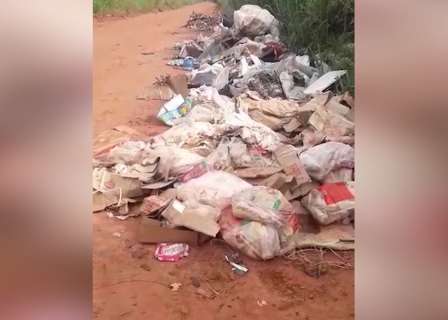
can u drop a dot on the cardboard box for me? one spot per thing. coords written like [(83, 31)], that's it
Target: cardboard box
[(152, 231), (289, 160)]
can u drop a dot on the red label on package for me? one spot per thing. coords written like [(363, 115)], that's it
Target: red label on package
[(197, 171), (171, 252), (335, 192)]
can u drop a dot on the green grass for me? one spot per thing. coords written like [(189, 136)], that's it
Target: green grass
[(319, 28), (102, 7)]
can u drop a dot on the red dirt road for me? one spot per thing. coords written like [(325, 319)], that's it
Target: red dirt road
[(127, 287)]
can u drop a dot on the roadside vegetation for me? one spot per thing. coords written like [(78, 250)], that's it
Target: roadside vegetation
[(102, 7), (323, 29), (320, 28)]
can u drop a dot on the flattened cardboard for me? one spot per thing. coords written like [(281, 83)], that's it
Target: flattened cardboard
[(257, 172), (153, 204), (179, 215), (179, 84), (288, 159), (152, 231)]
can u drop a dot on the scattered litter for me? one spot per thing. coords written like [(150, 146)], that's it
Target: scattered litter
[(331, 202), (336, 236), (214, 188), (236, 267), (324, 82), (288, 158), (215, 76), (205, 293), (255, 239), (262, 303), (320, 160), (256, 140), (199, 217), (171, 252), (251, 20), (157, 231), (187, 63), (175, 286), (153, 204), (176, 108)]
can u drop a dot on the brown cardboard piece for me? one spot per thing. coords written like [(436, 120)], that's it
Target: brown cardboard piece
[(257, 172), (153, 231), (331, 123), (179, 84), (289, 160), (197, 219)]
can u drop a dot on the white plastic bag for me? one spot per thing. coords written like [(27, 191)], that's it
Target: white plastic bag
[(176, 161), (255, 239), (129, 152), (267, 206), (251, 20), (320, 160), (215, 188), (331, 202)]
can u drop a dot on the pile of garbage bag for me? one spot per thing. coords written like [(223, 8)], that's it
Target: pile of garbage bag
[(256, 142)]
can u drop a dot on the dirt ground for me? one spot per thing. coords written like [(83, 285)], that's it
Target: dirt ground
[(129, 284)]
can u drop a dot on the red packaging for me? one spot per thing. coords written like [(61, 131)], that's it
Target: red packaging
[(171, 252), (335, 192), (197, 171)]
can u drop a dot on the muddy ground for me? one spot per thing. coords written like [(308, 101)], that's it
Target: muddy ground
[(129, 283)]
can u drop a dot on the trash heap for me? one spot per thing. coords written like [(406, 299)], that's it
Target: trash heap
[(258, 149)]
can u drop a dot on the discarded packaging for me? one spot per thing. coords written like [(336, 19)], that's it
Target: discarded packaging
[(155, 231), (200, 218), (187, 63), (238, 268), (267, 206), (335, 236), (171, 252), (174, 109), (255, 239), (331, 202), (288, 158), (175, 286), (215, 188), (320, 160), (324, 82), (251, 20), (215, 76), (153, 204)]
